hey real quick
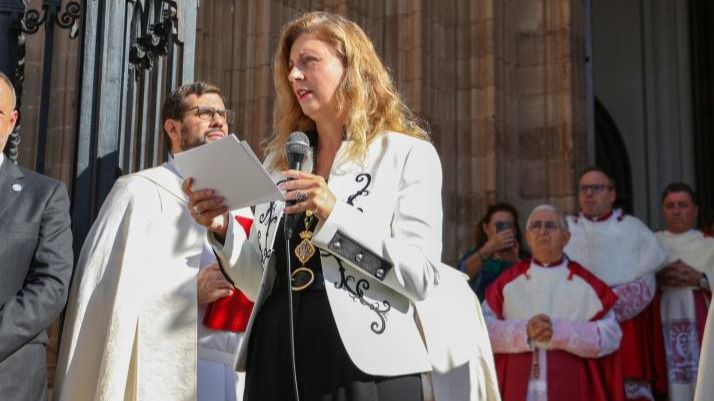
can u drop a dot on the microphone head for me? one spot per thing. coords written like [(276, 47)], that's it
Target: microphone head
[(296, 148)]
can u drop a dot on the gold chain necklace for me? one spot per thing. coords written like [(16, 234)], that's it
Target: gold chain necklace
[(304, 251)]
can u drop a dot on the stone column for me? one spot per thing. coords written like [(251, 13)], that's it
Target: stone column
[(520, 130), (542, 93)]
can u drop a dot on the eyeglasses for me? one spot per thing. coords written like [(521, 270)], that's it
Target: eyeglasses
[(549, 226), (207, 113), (595, 188)]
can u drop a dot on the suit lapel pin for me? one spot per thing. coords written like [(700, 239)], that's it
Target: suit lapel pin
[(16, 187)]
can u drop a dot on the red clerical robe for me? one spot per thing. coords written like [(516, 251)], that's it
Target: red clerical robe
[(574, 294)]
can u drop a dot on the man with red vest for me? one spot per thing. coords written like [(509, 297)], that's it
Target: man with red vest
[(551, 322), (623, 252), (150, 316)]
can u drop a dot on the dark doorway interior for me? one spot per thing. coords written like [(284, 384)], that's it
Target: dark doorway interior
[(611, 155), (702, 36)]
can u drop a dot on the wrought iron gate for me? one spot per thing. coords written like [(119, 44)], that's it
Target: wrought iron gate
[(133, 52)]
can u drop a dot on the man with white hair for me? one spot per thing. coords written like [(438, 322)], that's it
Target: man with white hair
[(551, 321), (623, 252)]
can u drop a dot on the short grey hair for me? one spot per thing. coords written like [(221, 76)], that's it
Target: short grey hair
[(7, 81), (562, 221)]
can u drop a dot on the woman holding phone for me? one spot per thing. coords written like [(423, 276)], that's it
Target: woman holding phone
[(498, 246)]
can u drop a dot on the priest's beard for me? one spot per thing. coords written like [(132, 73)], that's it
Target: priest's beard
[(189, 141)]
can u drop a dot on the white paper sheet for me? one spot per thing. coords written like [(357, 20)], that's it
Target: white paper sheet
[(231, 168)]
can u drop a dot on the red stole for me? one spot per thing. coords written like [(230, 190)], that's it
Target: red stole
[(570, 377), (642, 348), (230, 313), (702, 300)]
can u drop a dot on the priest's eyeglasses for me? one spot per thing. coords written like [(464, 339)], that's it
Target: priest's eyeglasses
[(208, 113), (595, 188), (548, 226)]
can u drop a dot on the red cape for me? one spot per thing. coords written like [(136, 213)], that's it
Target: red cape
[(570, 377), (231, 313)]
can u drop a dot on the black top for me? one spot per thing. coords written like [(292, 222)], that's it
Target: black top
[(324, 369)]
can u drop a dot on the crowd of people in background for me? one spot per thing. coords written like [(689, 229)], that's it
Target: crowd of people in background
[(655, 285)]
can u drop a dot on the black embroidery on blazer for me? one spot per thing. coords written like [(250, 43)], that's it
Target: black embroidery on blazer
[(357, 294), (363, 191), (267, 218)]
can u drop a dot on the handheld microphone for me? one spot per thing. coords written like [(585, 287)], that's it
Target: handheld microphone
[(296, 148)]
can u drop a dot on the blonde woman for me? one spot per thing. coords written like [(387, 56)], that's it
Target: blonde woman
[(367, 244)]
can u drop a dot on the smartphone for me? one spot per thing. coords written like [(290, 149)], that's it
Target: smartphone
[(503, 225)]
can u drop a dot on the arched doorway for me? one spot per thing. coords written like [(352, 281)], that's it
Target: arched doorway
[(611, 155)]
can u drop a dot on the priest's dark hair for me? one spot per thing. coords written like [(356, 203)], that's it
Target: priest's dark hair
[(599, 170), (680, 187)]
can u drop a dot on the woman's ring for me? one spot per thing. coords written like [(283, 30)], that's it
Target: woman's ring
[(301, 196)]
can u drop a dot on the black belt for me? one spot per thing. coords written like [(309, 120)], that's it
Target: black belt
[(305, 278)]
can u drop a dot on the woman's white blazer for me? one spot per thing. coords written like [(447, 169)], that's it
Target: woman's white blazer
[(380, 250)]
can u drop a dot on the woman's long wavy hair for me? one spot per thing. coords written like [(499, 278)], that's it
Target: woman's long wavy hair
[(366, 94)]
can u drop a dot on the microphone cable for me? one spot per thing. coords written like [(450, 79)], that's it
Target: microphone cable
[(288, 235)]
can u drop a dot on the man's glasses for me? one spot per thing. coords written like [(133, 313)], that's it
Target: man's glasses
[(595, 188), (548, 226), (208, 113)]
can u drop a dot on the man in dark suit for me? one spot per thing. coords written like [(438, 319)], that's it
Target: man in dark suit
[(35, 265)]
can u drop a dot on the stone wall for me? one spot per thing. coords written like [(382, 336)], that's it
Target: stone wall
[(501, 85)]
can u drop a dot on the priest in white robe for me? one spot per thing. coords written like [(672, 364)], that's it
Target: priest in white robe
[(624, 253), (552, 323), (145, 280), (684, 282)]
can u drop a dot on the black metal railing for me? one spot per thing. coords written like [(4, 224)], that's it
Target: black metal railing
[(50, 16), (17, 21), (151, 75), (134, 53)]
